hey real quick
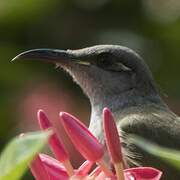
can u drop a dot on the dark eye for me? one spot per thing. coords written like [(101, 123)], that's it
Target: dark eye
[(104, 60)]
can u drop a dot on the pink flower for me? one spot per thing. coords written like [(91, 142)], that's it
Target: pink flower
[(82, 138), (45, 167)]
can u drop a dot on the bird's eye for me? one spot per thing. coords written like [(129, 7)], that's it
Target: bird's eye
[(104, 60), (109, 62)]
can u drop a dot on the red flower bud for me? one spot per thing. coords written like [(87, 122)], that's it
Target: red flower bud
[(55, 143), (82, 138), (112, 136)]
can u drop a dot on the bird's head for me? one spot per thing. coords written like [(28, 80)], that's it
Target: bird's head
[(102, 71)]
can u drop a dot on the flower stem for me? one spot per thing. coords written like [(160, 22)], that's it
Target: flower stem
[(119, 171), (67, 164), (104, 167)]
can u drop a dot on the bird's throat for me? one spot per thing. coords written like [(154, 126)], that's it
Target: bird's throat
[(118, 104)]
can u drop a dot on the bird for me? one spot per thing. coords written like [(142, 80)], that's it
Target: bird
[(117, 77)]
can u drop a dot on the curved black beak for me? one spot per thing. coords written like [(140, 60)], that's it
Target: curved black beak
[(54, 56), (49, 55)]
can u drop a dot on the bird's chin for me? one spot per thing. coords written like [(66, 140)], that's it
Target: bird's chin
[(72, 68), (76, 71)]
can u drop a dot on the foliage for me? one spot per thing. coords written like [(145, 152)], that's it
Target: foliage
[(169, 155), (19, 153)]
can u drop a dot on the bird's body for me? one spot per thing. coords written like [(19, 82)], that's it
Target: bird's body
[(116, 77), (152, 120)]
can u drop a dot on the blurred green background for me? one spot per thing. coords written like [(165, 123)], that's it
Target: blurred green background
[(150, 27)]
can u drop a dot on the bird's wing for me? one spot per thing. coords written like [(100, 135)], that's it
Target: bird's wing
[(160, 126)]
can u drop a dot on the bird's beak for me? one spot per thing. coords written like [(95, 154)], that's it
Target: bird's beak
[(52, 55)]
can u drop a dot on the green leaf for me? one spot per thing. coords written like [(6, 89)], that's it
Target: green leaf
[(169, 155), (19, 153)]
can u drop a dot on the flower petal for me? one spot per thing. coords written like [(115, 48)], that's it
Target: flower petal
[(102, 176), (55, 169), (84, 168), (38, 170), (141, 173), (82, 138), (95, 172)]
